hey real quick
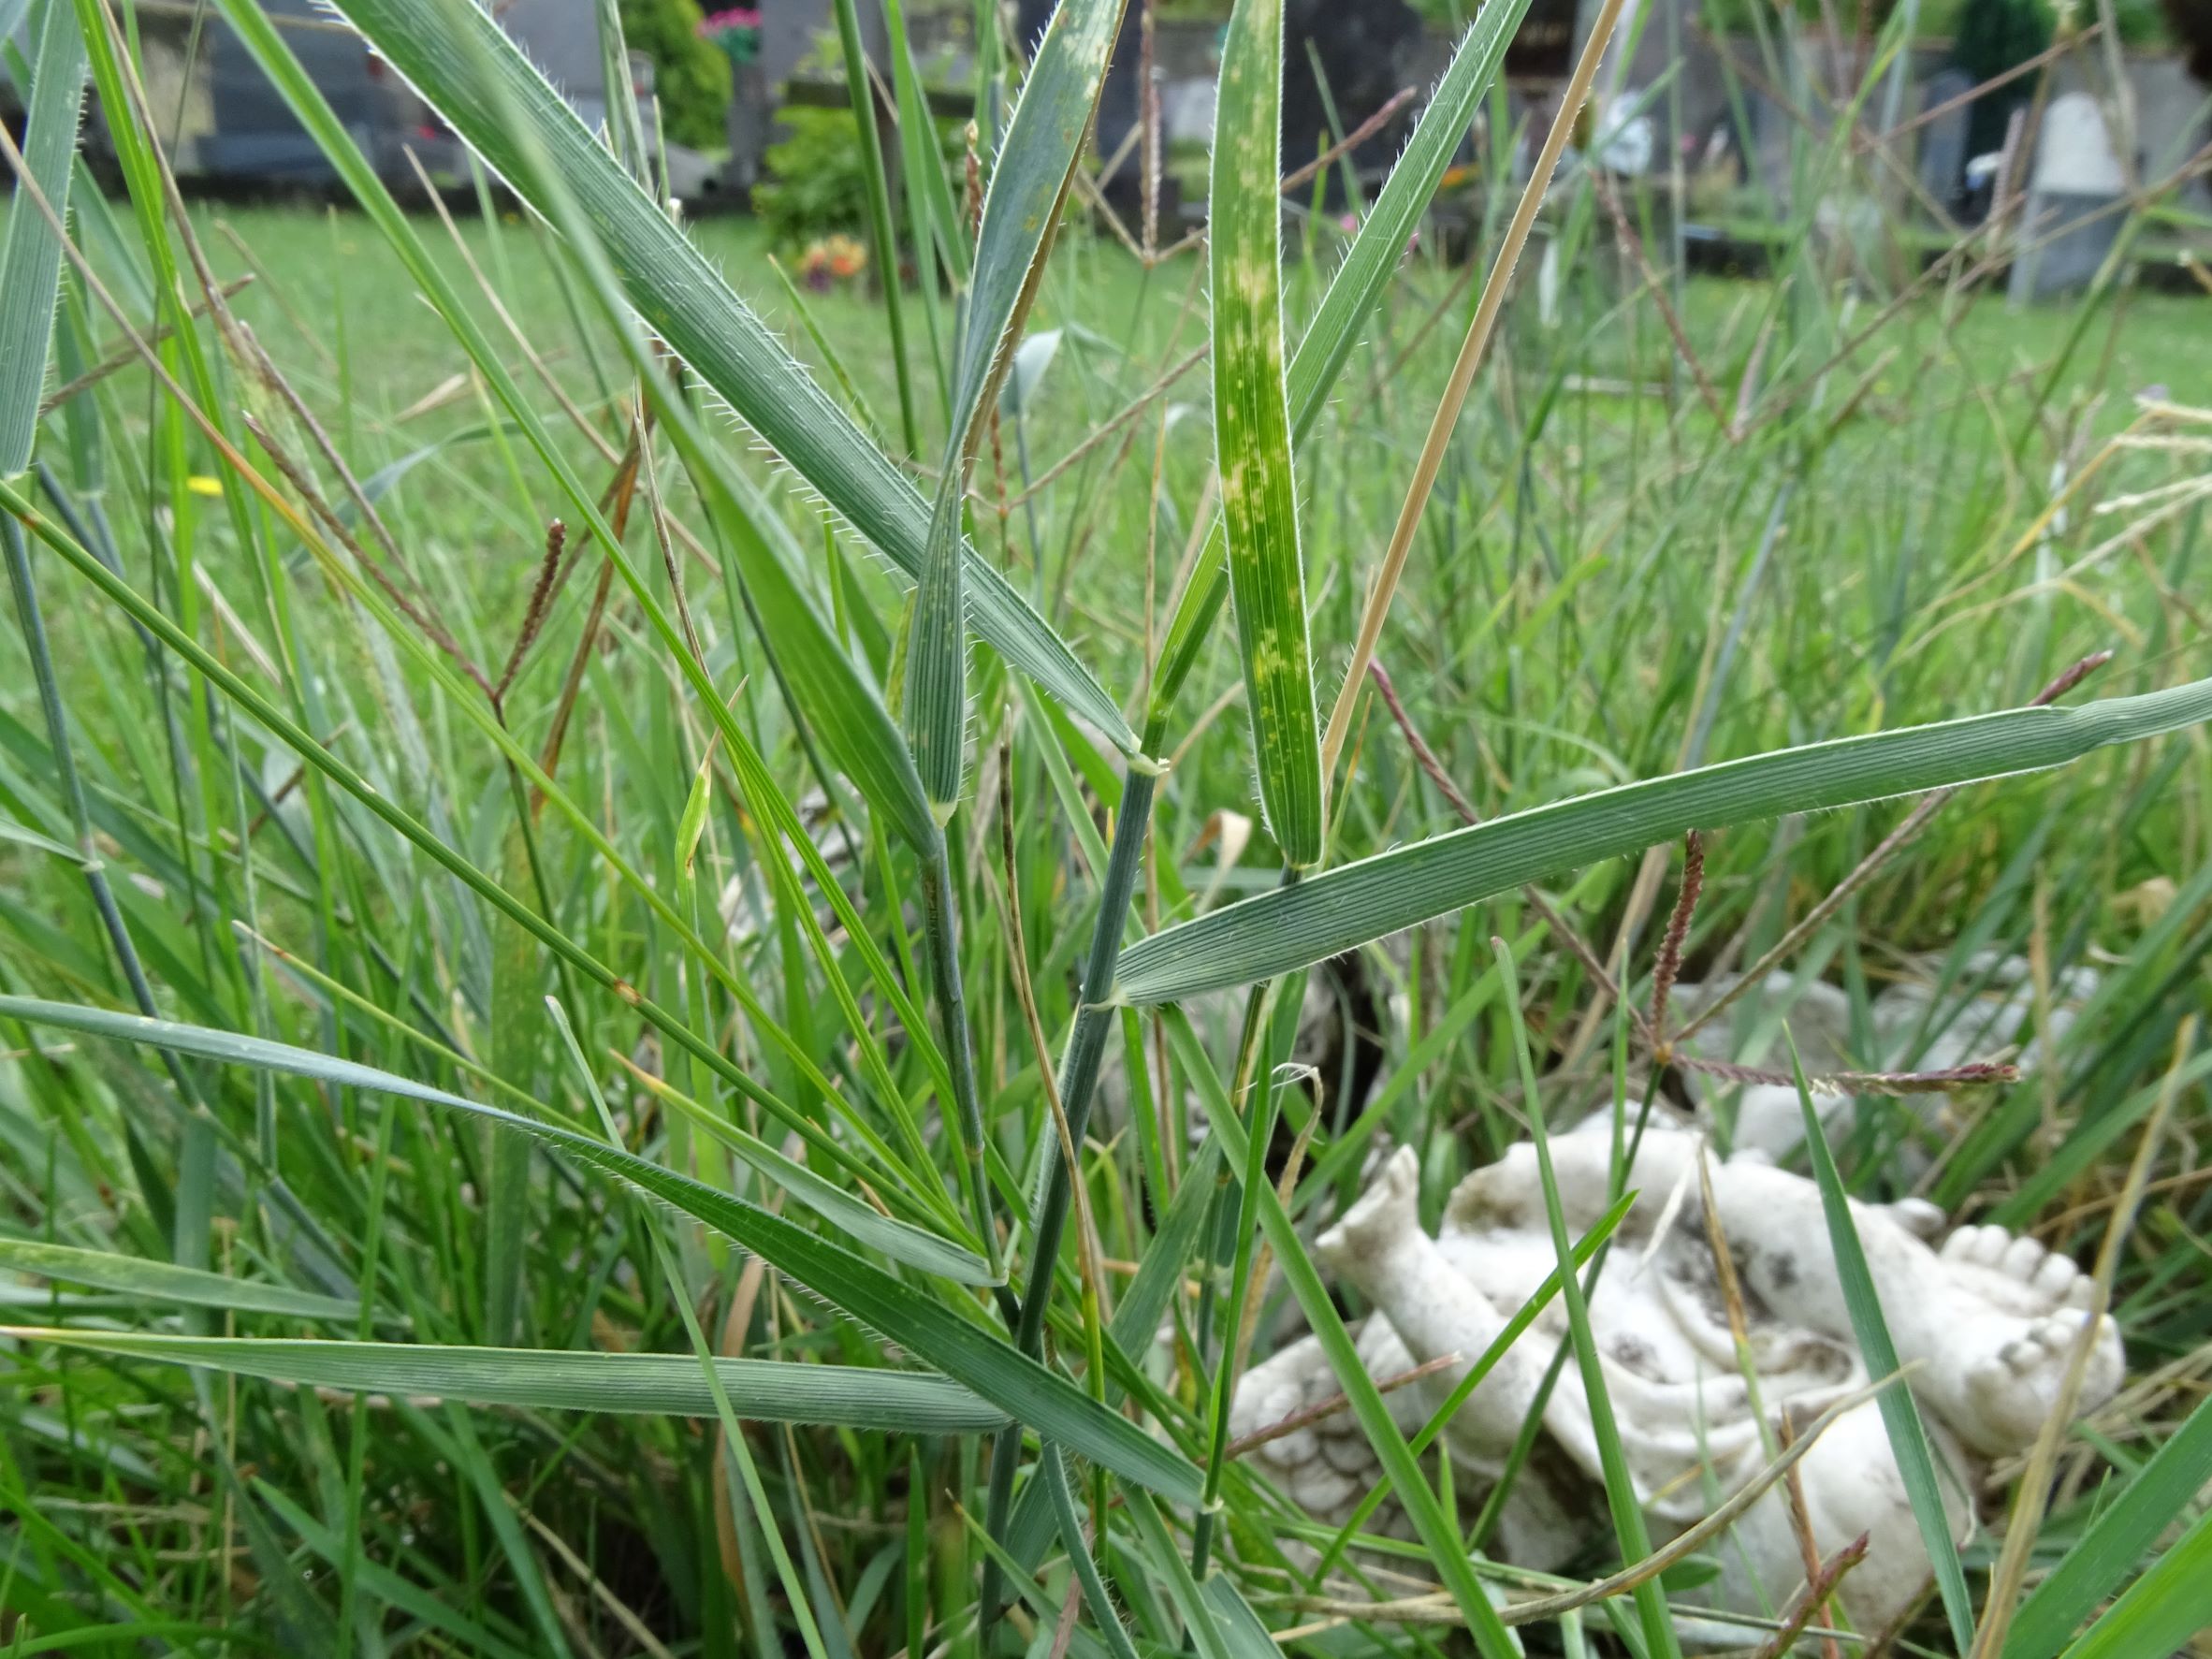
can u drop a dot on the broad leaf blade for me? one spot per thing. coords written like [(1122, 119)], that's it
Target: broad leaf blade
[(451, 51), (1025, 1389), (772, 1391), (1251, 431), (1375, 256), (1356, 903), (31, 256)]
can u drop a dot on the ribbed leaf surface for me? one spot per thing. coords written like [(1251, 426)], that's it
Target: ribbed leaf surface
[(1356, 903), (165, 1281), (1252, 429), (673, 1384)]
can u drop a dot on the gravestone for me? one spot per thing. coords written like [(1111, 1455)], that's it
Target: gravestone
[(1356, 59), (2064, 236), (1942, 140)]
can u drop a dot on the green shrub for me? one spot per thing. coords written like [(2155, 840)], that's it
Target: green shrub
[(815, 186), (815, 183), (690, 77)]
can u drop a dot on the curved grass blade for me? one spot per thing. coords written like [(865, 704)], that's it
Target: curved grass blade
[(1381, 245), (164, 1281), (771, 1391), (1439, 1531), (30, 254), (2160, 1490), (835, 690), (1251, 431), (1025, 1389), (1629, 1527), (1052, 1471), (1348, 907), (1036, 162), (1900, 1418), (469, 69), (901, 1241), (2162, 1609)]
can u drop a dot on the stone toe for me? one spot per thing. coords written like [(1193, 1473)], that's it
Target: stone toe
[(2022, 1257), (2054, 1276)]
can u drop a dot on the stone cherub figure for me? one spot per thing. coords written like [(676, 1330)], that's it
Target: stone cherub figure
[(1990, 1319)]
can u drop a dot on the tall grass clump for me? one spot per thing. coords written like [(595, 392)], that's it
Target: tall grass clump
[(647, 1013)]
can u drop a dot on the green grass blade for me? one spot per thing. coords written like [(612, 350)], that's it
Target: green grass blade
[(860, 92), (769, 1391), (1348, 907), (1620, 1497), (1900, 1417), (1044, 140), (1376, 253), (1200, 1629), (1136, 1317), (930, 198), (163, 1281), (1251, 431), (901, 1241), (1379, 248), (833, 689), (473, 73), (1025, 1389), (2162, 1608), (1438, 1529), (31, 256), (2161, 1490), (1052, 1471), (386, 1585)]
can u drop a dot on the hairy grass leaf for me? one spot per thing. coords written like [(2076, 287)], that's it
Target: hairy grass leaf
[(1346, 907), (1251, 431), (1037, 160)]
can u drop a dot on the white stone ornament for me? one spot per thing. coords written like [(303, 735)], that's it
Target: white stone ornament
[(1985, 1326)]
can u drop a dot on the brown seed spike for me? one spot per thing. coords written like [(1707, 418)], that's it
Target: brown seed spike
[(1669, 966)]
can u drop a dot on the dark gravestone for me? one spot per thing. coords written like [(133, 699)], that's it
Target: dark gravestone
[(1364, 54), (1543, 47), (1942, 140)]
